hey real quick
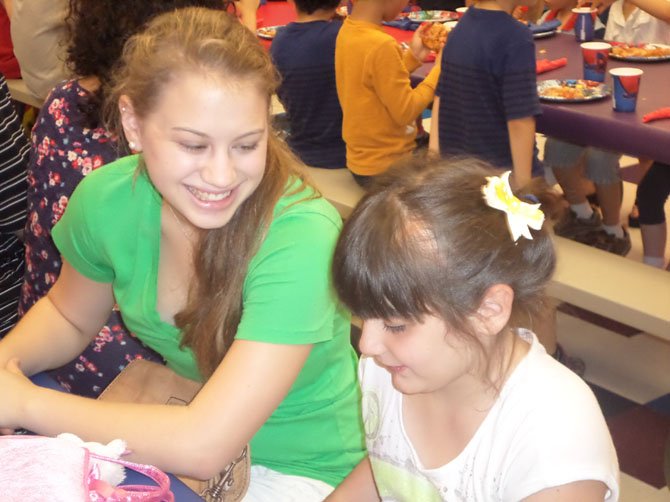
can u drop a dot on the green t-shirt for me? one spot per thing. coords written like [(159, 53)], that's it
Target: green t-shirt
[(111, 231)]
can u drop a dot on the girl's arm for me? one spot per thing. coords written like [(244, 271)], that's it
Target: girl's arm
[(584, 491), (522, 141), (657, 8), (247, 10), (391, 80), (434, 139), (60, 325), (359, 485), (197, 440)]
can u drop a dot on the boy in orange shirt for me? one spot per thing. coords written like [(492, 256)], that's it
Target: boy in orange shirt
[(372, 73)]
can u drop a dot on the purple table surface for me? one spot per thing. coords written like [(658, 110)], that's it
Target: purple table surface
[(595, 123), (181, 492)]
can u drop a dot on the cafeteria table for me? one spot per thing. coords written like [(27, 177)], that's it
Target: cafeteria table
[(595, 123), (181, 492)]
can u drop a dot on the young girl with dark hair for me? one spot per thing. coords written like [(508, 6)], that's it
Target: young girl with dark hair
[(218, 254), (446, 266)]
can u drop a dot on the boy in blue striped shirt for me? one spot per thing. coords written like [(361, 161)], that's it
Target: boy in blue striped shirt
[(304, 53), (486, 99)]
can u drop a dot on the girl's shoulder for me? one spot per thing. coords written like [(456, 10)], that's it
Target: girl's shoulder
[(302, 200), (547, 392)]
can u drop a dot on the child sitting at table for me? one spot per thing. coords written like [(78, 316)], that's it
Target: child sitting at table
[(626, 24), (486, 99), (379, 105), (460, 402), (304, 54)]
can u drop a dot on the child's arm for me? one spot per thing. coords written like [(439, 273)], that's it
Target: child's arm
[(197, 440), (60, 325), (359, 485), (584, 491), (522, 141), (434, 139), (247, 10), (391, 79), (657, 8)]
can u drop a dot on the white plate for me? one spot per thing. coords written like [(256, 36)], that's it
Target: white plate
[(430, 16), (544, 34), (643, 59), (591, 90), (267, 32)]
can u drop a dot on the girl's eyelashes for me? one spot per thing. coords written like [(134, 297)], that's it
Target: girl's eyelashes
[(394, 328), (191, 147), (247, 147)]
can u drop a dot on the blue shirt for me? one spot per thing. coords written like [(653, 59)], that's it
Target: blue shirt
[(488, 78), (304, 54)]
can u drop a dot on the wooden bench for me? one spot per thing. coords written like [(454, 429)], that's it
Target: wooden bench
[(617, 288), (19, 91)]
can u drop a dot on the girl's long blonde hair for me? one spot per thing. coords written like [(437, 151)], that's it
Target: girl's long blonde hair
[(212, 43)]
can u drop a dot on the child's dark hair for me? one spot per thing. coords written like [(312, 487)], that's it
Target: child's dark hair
[(311, 6), (424, 241)]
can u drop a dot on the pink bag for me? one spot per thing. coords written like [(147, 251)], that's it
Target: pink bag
[(37, 468)]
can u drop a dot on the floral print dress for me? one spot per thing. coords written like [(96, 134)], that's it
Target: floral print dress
[(62, 153)]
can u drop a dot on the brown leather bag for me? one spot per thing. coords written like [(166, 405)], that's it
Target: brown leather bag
[(152, 383)]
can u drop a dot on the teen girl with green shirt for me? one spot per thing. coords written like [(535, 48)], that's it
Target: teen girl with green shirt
[(218, 254)]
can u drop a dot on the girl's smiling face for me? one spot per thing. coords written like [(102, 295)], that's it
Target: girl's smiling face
[(204, 145)]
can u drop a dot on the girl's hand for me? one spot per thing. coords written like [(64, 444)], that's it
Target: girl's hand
[(419, 50), (14, 387)]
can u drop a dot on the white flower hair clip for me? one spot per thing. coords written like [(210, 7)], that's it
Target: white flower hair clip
[(520, 215)]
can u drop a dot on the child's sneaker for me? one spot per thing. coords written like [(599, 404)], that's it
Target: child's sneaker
[(612, 243), (571, 226)]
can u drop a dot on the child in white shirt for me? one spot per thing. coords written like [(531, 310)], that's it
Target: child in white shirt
[(460, 401)]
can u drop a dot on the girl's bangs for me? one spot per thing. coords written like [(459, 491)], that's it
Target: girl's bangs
[(383, 265)]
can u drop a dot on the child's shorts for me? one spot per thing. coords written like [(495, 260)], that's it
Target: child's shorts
[(602, 166), (267, 484)]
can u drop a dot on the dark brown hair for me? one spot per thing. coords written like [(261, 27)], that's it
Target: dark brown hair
[(424, 241), (97, 31), (212, 43)]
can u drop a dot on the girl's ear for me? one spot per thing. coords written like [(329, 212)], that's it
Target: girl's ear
[(495, 309), (130, 123)]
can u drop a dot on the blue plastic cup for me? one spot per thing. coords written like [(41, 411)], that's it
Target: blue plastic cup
[(584, 23), (626, 86), (595, 60)]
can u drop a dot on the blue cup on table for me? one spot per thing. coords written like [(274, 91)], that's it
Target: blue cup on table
[(595, 56), (584, 23), (626, 83)]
